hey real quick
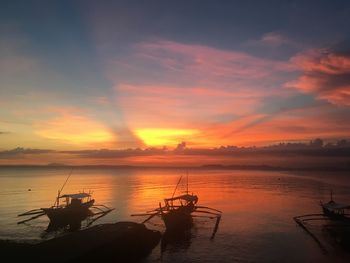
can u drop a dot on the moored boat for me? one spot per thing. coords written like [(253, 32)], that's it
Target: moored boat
[(69, 209), (179, 216), (76, 208), (178, 212), (335, 210)]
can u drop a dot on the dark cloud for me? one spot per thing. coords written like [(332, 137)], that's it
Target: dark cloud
[(106, 153), (315, 148), (341, 148), (17, 152)]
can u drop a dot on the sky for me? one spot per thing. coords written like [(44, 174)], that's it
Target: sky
[(89, 75)]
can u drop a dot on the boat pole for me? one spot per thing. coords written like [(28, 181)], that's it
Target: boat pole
[(176, 186), (332, 195), (59, 192), (218, 218), (319, 243), (187, 182)]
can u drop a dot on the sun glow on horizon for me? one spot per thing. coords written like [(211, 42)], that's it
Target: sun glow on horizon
[(164, 137)]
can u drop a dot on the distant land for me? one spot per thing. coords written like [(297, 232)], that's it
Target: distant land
[(208, 166), (314, 155)]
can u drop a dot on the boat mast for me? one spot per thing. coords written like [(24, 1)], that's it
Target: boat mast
[(187, 182), (332, 195), (59, 191), (176, 187)]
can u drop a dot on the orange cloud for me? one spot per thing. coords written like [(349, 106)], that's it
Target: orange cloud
[(71, 128), (297, 124), (325, 74), (229, 97), (186, 101), (163, 109), (220, 93)]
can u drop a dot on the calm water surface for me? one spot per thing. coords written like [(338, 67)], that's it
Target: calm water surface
[(258, 207)]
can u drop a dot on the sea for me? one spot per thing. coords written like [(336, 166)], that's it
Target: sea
[(257, 209)]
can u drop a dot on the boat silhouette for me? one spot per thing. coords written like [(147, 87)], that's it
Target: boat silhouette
[(71, 211), (178, 212)]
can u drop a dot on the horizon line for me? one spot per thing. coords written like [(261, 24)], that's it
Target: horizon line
[(205, 166)]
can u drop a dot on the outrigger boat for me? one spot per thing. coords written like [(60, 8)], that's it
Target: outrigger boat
[(335, 218), (180, 215), (75, 208), (335, 211), (178, 212)]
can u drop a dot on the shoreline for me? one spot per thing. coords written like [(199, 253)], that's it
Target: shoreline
[(125, 241)]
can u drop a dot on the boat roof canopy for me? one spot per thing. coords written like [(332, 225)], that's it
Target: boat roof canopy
[(186, 197), (336, 206), (75, 196)]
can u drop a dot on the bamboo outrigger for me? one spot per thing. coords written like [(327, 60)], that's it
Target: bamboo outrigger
[(75, 208), (335, 217), (178, 212)]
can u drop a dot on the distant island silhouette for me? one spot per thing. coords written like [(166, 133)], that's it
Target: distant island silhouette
[(313, 155)]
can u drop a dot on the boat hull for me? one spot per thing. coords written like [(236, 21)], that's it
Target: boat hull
[(71, 213), (178, 219)]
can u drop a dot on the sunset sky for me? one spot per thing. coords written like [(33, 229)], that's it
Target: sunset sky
[(78, 75)]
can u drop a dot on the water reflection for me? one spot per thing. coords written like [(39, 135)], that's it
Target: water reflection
[(175, 241), (338, 235), (258, 208)]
